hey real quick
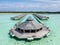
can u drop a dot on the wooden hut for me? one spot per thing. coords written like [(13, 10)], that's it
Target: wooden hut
[(41, 17), (29, 30)]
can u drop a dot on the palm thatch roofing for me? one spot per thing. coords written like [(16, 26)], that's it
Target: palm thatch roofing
[(18, 17), (23, 19), (41, 17), (29, 24)]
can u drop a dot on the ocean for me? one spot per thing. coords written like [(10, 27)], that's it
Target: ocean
[(6, 24)]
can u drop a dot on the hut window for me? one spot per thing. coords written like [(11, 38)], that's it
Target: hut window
[(40, 28), (21, 30), (17, 29), (27, 31), (32, 31), (37, 30)]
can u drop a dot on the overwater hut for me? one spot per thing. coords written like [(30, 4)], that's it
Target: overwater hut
[(29, 30), (18, 17), (41, 17)]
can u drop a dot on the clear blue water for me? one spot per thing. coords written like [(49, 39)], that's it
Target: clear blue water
[(53, 23)]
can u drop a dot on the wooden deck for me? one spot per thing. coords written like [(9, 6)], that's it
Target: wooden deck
[(38, 34)]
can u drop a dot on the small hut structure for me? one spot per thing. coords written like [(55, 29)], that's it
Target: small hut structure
[(41, 17), (18, 17), (29, 30)]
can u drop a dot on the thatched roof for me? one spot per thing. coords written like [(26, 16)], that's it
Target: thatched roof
[(29, 24), (40, 16), (29, 19)]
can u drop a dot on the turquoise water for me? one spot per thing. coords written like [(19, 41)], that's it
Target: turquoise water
[(53, 23)]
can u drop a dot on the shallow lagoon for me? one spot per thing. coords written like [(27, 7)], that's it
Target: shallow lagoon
[(53, 23)]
